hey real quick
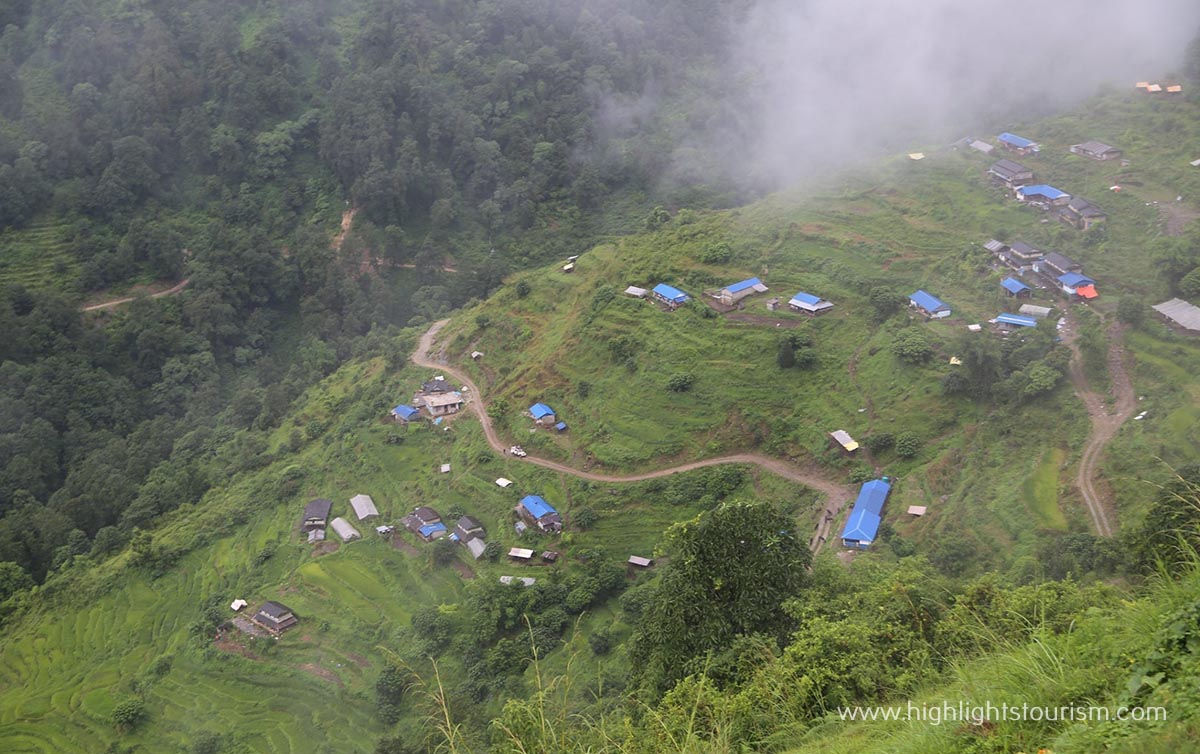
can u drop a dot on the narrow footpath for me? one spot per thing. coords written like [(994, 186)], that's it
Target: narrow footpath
[(836, 495)]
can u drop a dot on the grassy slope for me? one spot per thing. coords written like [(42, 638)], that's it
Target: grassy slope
[(63, 670), (1091, 665), (986, 478)]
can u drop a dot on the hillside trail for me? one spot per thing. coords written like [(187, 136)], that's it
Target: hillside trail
[(1104, 423), (125, 300), (837, 495)]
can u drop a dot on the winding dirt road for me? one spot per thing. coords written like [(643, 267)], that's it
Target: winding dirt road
[(119, 301), (837, 495), (1104, 423)]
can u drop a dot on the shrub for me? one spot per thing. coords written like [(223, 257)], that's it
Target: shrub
[(907, 445), (681, 383), (523, 288), (586, 518), (879, 442), (128, 714), (911, 346)]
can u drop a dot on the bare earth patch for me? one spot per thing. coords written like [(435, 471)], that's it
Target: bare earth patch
[(464, 570), (320, 672), (1176, 216), (401, 544)]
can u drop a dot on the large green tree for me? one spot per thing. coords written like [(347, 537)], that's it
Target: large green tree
[(730, 571)]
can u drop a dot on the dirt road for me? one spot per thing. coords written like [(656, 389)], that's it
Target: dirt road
[(117, 302), (1104, 423), (837, 495)]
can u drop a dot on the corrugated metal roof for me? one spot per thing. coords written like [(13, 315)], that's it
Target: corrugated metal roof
[(981, 146), (1012, 285), (994, 246), (540, 410), (1075, 279), (1087, 291), (671, 293), (405, 412), (844, 439), (861, 526), (1180, 312), (1034, 310), (364, 506), (743, 285), (476, 547), (928, 301), (429, 530), (1016, 141), (1042, 189), (873, 495), (344, 529), (536, 506), (1016, 320)]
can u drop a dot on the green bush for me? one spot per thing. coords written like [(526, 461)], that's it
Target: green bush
[(907, 445), (681, 383)]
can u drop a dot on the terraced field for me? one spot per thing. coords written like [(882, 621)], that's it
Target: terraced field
[(37, 257)]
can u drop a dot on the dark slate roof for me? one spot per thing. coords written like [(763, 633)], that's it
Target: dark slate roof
[(318, 508), (1008, 168), (1084, 207), (1023, 248), (437, 386), (467, 523), (1060, 262), (426, 514), (275, 610)]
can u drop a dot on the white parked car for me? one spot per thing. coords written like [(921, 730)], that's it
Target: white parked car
[(518, 451)]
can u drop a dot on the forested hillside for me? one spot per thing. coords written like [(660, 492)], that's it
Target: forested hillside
[(219, 144)]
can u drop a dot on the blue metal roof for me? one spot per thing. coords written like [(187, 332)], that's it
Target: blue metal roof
[(670, 293), (1016, 141), (1012, 285), (861, 526), (749, 283), (1016, 319), (429, 529), (872, 496), (806, 298), (928, 302), (1074, 280), (540, 409), (1042, 189), (561, 426), (536, 506), (405, 412)]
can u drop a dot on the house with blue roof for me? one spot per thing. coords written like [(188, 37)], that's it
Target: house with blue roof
[(405, 414), (1013, 321), (929, 305), (1017, 144), (537, 512), (1042, 195), (809, 304), (862, 525), (1078, 284), (1016, 288), (731, 294), (672, 297), (430, 532), (541, 413)]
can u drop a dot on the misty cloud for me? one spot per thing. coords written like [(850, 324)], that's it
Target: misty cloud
[(819, 83)]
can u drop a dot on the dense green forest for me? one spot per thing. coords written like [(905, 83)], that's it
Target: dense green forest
[(324, 179), (222, 142)]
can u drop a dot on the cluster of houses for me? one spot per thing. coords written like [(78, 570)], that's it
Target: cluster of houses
[(731, 295), (1150, 88), (1060, 271), (1072, 210), (316, 518), (426, 523), (437, 397)]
